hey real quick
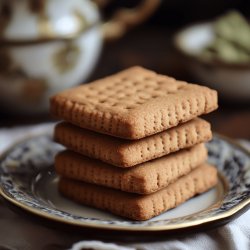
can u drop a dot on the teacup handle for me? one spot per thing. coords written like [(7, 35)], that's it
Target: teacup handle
[(125, 18)]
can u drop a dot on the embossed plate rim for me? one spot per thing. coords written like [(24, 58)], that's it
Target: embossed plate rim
[(226, 215)]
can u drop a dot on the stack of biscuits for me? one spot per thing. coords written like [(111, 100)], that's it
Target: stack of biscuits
[(135, 146)]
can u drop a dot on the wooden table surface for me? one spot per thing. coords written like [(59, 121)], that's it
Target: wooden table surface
[(150, 47)]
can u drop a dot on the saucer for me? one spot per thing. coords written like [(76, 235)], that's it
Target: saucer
[(28, 181)]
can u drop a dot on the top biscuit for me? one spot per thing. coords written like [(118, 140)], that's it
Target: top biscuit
[(133, 104)]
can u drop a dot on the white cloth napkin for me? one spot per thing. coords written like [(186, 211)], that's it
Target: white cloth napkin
[(8, 136), (233, 236)]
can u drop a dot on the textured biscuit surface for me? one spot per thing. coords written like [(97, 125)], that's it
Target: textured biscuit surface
[(143, 179), (133, 104), (127, 153), (136, 206)]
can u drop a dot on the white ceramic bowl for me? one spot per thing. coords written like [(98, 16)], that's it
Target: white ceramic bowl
[(231, 80)]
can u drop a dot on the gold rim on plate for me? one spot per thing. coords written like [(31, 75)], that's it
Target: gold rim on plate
[(200, 222)]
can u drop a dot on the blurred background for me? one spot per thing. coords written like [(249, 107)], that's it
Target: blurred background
[(196, 41)]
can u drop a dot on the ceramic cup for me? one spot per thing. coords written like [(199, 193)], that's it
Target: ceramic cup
[(50, 45)]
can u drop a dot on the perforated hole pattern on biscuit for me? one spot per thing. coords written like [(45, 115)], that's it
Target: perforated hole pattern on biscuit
[(128, 92)]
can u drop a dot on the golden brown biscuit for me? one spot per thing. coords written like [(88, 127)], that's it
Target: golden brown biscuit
[(127, 153), (133, 104), (136, 206), (145, 178)]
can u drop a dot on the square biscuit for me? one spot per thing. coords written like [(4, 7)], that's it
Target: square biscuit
[(144, 178), (137, 206), (133, 104), (127, 153)]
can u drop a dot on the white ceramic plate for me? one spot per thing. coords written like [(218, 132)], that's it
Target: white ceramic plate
[(29, 182)]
